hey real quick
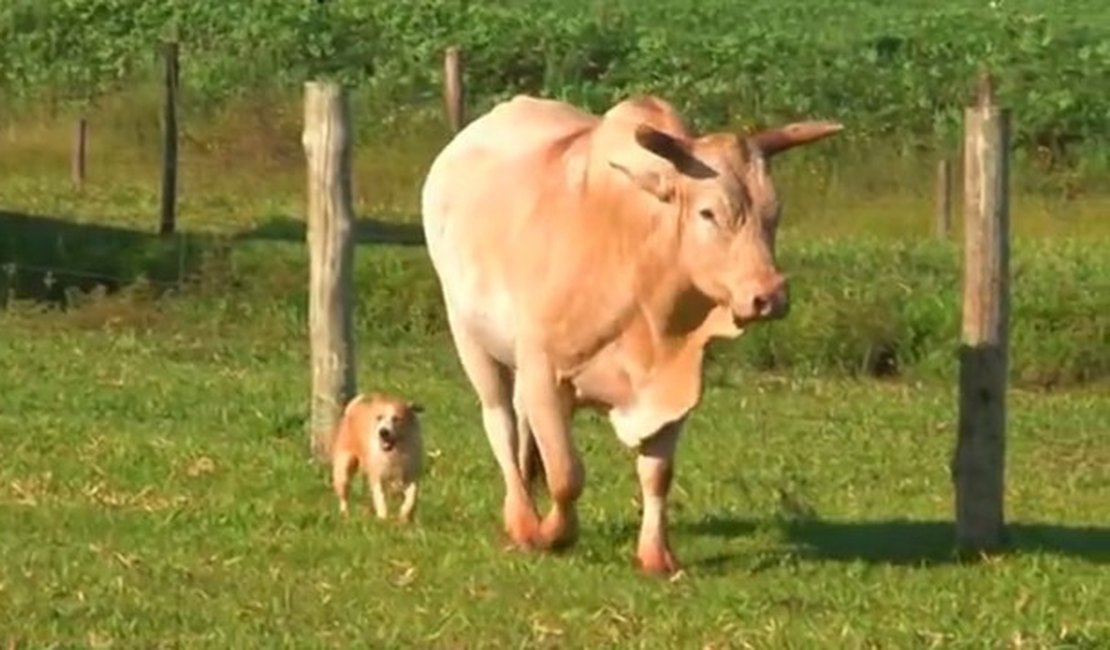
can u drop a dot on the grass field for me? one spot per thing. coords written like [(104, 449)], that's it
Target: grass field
[(156, 488), (155, 483), (156, 492)]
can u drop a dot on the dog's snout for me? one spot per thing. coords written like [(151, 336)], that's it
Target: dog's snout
[(385, 433)]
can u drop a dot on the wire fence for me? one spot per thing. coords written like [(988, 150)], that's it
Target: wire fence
[(12, 269)]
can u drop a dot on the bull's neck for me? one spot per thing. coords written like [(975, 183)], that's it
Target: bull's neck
[(667, 295), (675, 306), (645, 234)]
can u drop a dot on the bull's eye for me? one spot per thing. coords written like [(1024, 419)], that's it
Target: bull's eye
[(706, 213)]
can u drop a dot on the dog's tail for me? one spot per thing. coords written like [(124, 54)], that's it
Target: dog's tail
[(326, 455), (358, 397)]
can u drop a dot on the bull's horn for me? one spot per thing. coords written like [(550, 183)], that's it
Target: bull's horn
[(779, 139)]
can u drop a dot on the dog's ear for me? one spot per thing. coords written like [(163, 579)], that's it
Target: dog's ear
[(416, 407)]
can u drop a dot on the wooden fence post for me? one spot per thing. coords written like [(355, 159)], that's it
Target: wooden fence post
[(453, 88), (944, 199), (978, 466), (326, 141), (80, 148), (169, 140)]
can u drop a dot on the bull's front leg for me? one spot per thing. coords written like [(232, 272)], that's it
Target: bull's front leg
[(655, 467), (545, 406)]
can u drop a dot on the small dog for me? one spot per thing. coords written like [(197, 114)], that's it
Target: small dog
[(379, 434)]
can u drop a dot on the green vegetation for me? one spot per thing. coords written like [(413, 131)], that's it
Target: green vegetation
[(873, 295), (897, 72), (869, 307), (155, 487)]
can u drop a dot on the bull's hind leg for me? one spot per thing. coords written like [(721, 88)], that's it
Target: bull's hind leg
[(492, 383), (527, 455), (547, 407), (655, 467)]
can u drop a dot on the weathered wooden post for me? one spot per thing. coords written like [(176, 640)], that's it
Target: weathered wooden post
[(453, 88), (80, 149), (326, 141), (944, 199), (169, 140), (978, 466)]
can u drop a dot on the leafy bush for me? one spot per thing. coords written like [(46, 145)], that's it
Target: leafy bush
[(864, 308), (888, 69)]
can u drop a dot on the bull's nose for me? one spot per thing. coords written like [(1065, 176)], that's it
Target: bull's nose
[(765, 301), (770, 304), (761, 305)]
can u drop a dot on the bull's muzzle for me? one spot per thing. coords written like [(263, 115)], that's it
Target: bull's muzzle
[(763, 300)]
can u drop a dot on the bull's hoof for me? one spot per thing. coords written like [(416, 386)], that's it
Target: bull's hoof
[(559, 530), (523, 528), (657, 561)]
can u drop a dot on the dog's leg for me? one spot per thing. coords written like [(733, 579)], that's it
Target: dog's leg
[(409, 504), (377, 493), (343, 466)]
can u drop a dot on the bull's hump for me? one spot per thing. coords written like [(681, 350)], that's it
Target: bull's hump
[(521, 161), (526, 122)]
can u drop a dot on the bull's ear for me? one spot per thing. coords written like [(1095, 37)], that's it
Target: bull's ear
[(663, 145), (779, 139), (677, 151), (658, 185)]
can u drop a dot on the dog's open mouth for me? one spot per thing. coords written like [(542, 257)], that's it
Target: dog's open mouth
[(387, 444)]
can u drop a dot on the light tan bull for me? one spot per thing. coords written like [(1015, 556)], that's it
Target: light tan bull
[(587, 260)]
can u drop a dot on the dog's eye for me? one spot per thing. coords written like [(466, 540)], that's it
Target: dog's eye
[(706, 213)]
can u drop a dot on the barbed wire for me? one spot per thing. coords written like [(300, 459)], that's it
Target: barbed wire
[(12, 268), (940, 421)]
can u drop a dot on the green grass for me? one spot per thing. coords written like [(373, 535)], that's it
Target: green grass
[(156, 490), (866, 306)]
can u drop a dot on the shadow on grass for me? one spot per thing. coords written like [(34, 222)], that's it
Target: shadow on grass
[(367, 231), (52, 260), (902, 542), (46, 258)]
